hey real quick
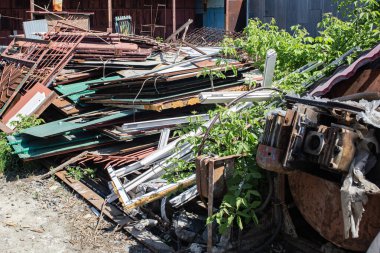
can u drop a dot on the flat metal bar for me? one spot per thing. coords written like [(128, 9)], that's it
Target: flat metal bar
[(164, 138), (184, 197), (160, 193), (22, 61), (226, 97), (270, 63), (143, 125)]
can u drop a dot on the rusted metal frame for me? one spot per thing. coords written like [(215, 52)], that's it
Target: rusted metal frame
[(210, 204), (54, 60), (32, 40), (27, 57), (145, 237), (6, 105), (22, 61), (63, 61)]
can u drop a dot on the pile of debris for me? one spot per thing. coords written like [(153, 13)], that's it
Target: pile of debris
[(111, 103)]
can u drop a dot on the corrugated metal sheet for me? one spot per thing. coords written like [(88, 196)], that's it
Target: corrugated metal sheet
[(33, 27), (214, 17), (291, 12)]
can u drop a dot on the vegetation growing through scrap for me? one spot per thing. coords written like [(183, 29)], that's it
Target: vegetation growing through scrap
[(238, 132), (79, 173), (9, 161)]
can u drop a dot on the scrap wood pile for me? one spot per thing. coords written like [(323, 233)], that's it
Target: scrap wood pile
[(110, 103)]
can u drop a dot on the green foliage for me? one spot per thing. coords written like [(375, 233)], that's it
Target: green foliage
[(237, 133), (79, 173), (26, 122), (297, 48), (9, 161)]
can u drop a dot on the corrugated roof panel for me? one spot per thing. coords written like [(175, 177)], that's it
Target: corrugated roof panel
[(33, 27)]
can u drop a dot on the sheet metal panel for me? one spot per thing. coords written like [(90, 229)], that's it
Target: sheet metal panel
[(33, 27)]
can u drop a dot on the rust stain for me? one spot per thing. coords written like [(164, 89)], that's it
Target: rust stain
[(319, 203)]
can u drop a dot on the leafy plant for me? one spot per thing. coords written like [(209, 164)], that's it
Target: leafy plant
[(79, 173), (25, 121), (9, 161), (218, 73), (237, 133)]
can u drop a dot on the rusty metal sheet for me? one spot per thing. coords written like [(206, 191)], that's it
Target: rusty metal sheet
[(350, 71), (270, 158), (319, 203), (233, 10)]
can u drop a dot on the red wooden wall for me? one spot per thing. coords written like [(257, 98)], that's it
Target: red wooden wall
[(185, 9)]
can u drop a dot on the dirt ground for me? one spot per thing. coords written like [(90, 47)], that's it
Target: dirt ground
[(47, 217)]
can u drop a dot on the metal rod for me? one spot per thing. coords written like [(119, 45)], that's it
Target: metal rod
[(160, 193), (144, 125), (31, 9), (174, 17), (109, 16)]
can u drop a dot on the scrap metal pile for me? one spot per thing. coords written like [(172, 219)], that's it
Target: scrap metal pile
[(111, 102)]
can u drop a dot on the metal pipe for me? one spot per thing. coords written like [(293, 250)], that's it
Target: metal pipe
[(174, 16), (31, 9), (109, 16)]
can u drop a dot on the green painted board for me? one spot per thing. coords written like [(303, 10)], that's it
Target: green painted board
[(74, 91), (30, 148), (70, 124)]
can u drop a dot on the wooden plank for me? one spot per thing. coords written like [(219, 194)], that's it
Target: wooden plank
[(65, 106), (149, 240), (63, 165)]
